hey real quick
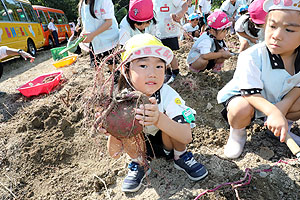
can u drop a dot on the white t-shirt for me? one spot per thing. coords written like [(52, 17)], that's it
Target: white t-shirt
[(166, 27), (242, 25), (188, 28), (229, 8), (205, 6), (203, 45), (126, 32), (170, 103), (3, 53), (52, 27), (256, 69), (104, 9), (191, 10)]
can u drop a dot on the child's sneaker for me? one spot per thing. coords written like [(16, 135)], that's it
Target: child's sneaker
[(192, 168), (134, 178)]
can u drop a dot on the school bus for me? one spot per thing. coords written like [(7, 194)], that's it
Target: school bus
[(60, 21), (19, 26)]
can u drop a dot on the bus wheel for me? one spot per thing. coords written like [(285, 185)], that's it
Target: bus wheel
[(31, 48), (51, 43)]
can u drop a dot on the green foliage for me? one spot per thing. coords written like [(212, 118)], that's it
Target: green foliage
[(216, 4), (121, 14)]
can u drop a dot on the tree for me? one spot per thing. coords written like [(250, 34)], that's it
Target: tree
[(68, 6)]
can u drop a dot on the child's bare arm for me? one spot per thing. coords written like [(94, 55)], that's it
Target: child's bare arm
[(216, 55), (243, 34), (276, 121), (178, 131), (289, 99), (101, 29), (177, 16)]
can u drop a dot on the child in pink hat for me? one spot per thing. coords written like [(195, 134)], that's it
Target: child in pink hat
[(209, 51), (140, 19), (249, 27)]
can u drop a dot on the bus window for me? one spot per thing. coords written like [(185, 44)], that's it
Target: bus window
[(29, 12), (59, 17), (65, 20), (42, 17), (54, 17), (47, 16), (3, 13), (12, 7), (21, 15)]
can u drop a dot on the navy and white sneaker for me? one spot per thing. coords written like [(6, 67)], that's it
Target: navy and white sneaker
[(133, 180), (187, 163)]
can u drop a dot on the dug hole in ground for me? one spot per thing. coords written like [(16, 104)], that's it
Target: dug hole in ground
[(47, 152)]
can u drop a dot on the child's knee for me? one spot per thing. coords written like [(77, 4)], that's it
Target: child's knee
[(239, 109)]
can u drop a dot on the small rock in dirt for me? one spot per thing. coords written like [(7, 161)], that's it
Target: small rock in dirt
[(263, 174), (209, 106), (37, 123), (266, 153), (65, 124), (21, 128), (51, 122)]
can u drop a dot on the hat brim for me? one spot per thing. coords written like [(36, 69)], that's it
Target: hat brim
[(141, 20)]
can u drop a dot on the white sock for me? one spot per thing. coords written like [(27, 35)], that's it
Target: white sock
[(167, 152), (177, 154), (235, 143), (295, 137)]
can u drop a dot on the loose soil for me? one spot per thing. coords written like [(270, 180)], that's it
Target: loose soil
[(47, 152)]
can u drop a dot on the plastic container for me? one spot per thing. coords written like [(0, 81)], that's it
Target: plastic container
[(56, 55), (66, 61), (40, 85)]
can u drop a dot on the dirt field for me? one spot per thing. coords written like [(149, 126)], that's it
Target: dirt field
[(47, 152)]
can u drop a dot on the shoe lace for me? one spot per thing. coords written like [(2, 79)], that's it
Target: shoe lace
[(190, 160), (133, 169)]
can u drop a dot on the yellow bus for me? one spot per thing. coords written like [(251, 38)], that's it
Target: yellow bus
[(19, 26)]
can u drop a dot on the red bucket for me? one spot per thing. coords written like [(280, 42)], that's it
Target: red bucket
[(40, 85)]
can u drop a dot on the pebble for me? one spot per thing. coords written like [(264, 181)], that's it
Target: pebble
[(266, 153), (263, 174)]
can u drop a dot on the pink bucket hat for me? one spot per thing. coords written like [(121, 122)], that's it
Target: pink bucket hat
[(218, 20), (281, 4), (256, 11), (140, 10)]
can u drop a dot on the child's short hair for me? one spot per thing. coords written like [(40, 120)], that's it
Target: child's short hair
[(131, 22)]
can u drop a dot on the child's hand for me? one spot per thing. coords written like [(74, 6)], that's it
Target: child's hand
[(276, 122), (253, 40), (88, 37), (148, 114), (226, 54), (175, 18)]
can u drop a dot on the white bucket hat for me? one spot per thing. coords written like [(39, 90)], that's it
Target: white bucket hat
[(281, 5)]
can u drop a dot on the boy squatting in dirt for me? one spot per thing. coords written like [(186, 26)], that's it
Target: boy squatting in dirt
[(168, 130), (267, 79)]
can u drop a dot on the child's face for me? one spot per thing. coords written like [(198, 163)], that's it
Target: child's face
[(220, 35), (147, 74), (282, 32), (194, 22), (142, 26)]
